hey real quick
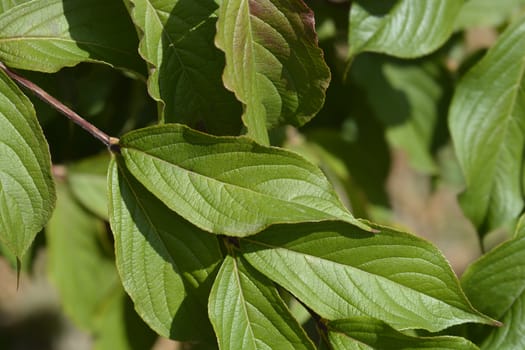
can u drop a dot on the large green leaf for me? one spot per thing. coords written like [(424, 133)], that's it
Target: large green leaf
[(487, 123), (340, 271), (402, 28), (495, 284), (273, 63), (482, 13), (178, 41), (8, 4), (366, 333), (166, 264), (27, 192), (229, 185), (248, 313), (405, 98), (82, 270), (49, 35)]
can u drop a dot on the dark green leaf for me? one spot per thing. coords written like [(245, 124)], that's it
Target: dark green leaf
[(495, 284), (340, 271), (247, 312), (178, 41), (402, 28), (367, 333), (49, 35), (166, 264), (27, 192), (487, 122), (273, 63), (217, 182)]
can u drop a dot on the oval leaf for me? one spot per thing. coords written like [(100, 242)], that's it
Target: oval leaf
[(49, 35), (362, 333), (341, 272), (273, 63), (27, 192), (178, 41), (247, 312), (217, 182), (166, 264), (495, 284), (402, 28), (487, 123)]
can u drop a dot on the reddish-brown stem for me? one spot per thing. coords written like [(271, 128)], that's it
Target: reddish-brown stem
[(62, 108)]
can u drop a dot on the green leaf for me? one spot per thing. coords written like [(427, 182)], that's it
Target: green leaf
[(484, 13), (247, 312), (340, 271), (217, 182), (88, 182), (273, 63), (178, 41), (8, 4), (495, 284), (405, 97), (487, 124), (49, 35), (368, 333), (27, 192), (82, 271), (166, 264), (402, 28)]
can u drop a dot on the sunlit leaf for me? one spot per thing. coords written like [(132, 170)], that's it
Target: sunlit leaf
[(27, 192), (495, 284), (178, 41), (49, 35), (366, 333), (229, 185), (166, 264), (8, 4), (484, 13), (273, 63), (402, 28), (340, 272), (487, 123), (248, 313)]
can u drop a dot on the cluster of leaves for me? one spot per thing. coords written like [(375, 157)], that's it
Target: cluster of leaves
[(236, 241)]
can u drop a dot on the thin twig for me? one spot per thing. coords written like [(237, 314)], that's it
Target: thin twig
[(62, 108)]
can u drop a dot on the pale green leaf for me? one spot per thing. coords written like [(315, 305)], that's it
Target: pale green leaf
[(482, 13), (368, 333), (27, 192), (520, 227), (340, 272), (178, 41), (402, 28), (49, 35), (405, 98), (495, 284), (247, 312), (229, 185), (82, 271), (273, 63), (88, 182), (487, 123), (166, 264), (8, 4)]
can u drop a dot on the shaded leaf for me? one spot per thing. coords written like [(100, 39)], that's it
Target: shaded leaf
[(495, 284), (49, 35), (340, 271), (88, 182), (216, 182), (247, 312), (402, 28), (27, 192), (166, 264), (178, 41), (273, 63), (368, 333), (487, 123)]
